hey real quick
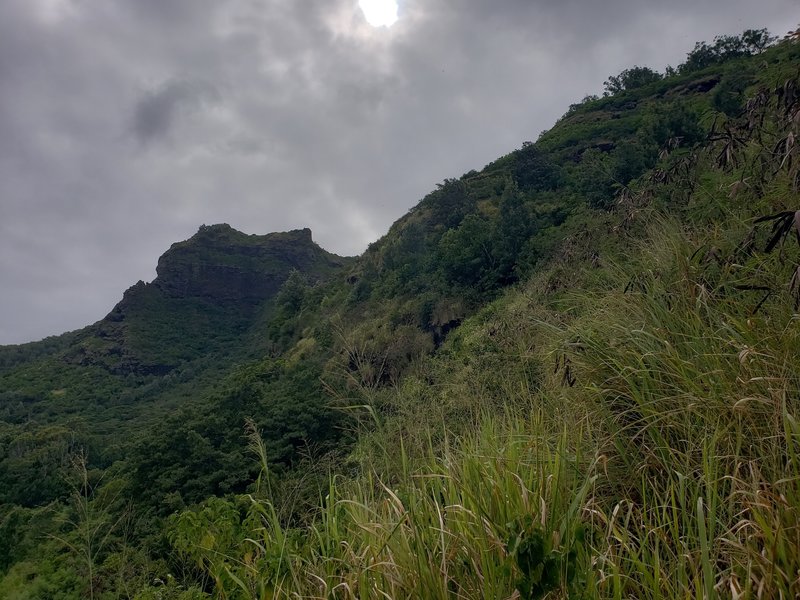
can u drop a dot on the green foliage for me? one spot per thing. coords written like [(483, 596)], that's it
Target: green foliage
[(533, 171), (13, 355), (630, 79), (33, 461), (438, 531), (569, 374), (292, 293), (169, 590), (200, 451), (465, 253), (670, 125), (594, 178), (730, 94), (726, 47), (541, 567), (482, 253), (449, 204)]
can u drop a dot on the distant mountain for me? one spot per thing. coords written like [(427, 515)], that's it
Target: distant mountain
[(166, 344), (223, 265), (207, 292)]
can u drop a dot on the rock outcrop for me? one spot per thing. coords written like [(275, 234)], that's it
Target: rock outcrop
[(208, 291), (223, 265)]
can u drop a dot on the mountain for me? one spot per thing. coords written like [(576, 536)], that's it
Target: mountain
[(161, 343), (223, 265), (572, 373), (209, 291)]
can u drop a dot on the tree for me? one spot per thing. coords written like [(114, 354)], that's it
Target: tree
[(731, 93), (532, 170), (630, 79), (757, 40), (700, 57), (677, 120), (450, 203), (593, 178), (727, 47), (466, 254), (292, 293), (513, 229)]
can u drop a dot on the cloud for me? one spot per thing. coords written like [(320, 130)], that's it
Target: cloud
[(126, 124), (155, 113)]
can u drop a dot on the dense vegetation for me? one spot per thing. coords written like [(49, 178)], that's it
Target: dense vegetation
[(571, 374)]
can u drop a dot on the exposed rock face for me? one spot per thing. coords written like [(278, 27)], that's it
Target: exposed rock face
[(207, 292), (221, 264)]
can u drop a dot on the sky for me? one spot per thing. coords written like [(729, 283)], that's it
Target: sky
[(126, 124)]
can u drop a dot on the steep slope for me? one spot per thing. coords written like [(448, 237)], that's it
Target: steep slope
[(621, 424), (208, 291), (223, 265), (165, 344)]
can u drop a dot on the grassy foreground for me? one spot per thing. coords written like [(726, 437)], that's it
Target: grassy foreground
[(622, 425), (657, 458)]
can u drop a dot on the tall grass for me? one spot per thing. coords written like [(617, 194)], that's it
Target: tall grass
[(695, 398), (665, 466), (497, 512)]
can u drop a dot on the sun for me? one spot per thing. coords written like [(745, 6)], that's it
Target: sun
[(379, 13)]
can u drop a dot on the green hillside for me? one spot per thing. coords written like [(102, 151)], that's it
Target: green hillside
[(573, 373)]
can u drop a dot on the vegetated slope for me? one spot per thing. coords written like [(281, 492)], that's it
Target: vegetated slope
[(164, 343), (574, 433), (621, 424)]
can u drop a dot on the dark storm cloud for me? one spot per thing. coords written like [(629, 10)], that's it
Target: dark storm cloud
[(125, 124), (155, 111)]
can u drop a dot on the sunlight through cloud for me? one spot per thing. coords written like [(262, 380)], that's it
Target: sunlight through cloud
[(379, 13)]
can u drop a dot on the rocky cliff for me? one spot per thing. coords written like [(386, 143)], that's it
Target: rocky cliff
[(207, 293), (221, 264)]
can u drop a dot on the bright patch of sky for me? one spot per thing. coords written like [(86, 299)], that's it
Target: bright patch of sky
[(379, 13)]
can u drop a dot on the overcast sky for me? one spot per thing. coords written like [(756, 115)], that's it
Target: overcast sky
[(126, 124)]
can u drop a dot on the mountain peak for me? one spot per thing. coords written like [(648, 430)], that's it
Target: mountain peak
[(220, 263), (210, 286), (224, 233)]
